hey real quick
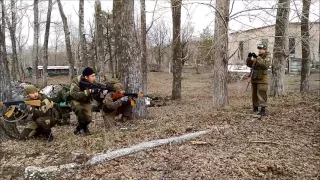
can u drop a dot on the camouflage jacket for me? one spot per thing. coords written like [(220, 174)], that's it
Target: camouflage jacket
[(77, 94), (260, 67), (45, 108), (110, 103)]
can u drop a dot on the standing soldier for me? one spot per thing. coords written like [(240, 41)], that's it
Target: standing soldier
[(42, 116), (259, 78), (81, 95)]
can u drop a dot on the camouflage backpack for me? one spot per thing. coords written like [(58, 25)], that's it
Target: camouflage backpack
[(60, 94)]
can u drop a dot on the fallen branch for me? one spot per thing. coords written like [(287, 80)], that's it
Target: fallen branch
[(265, 142), (32, 172)]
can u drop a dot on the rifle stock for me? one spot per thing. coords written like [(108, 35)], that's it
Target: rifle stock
[(28, 102), (10, 111)]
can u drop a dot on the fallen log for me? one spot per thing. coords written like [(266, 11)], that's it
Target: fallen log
[(33, 172)]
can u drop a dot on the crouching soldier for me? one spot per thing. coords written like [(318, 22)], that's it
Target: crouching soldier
[(115, 105), (41, 116), (81, 96)]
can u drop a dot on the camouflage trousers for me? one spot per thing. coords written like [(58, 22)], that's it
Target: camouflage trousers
[(259, 95), (125, 110), (41, 126), (83, 112)]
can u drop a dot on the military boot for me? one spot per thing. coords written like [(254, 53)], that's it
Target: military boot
[(86, 130), (255, 109), (78, 129), (262, 111), (49, 136)]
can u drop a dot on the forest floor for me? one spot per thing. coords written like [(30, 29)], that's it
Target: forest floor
[(283, 145)]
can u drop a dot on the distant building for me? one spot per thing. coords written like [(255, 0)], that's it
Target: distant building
[(243, 42), (52, 70)]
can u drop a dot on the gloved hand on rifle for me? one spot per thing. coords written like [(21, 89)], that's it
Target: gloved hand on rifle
[(254, 55), (249, 55), (124, 99), (91, 91)]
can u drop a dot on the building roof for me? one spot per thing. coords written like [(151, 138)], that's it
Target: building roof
[(51, 67), (253, 29)]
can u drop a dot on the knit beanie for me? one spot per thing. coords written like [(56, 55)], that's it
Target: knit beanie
[(87, 71)]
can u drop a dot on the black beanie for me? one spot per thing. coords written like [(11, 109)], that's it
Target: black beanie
[(87, 71)]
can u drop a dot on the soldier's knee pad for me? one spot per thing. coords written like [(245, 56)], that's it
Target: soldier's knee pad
[(27, 133)]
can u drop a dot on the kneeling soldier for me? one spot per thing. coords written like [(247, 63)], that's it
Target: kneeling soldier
[(113, 107), (42, 120)]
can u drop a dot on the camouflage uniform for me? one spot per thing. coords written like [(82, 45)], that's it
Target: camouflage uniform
[(42, 120), (81, 105), (114, 107), (259, 79), (60, 95)]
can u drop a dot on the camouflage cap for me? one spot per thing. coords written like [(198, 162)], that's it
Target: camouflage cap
[(262, 46), (118, 87), (29, 89)]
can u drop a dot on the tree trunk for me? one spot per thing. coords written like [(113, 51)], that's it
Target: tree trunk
[(45, 45), (117, 26), (67, 38), (176, 50), (131, 58), (306, 60), (280, 48), (3, 43), (12, 29), (220, 54), (7, 130), (35, 50), (83, 52), (99, 38), (108, 38), (144, 63)]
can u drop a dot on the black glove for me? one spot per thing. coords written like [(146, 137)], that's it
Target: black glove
[(254, 55), (250, 55)]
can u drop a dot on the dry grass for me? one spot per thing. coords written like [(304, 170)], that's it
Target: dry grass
[(284, 145)]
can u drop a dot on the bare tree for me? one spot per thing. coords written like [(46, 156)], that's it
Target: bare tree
[(220, 54), (83, 49), (57, 29), (7, 130), (45, 45), (306, 60), (117, 14), (158, 36), (67, 37), (186, 36), (144, 45), (130, 55), (280, 49), (108, 41), (35, 50), (99, 37), (12, 26), (176, 48)]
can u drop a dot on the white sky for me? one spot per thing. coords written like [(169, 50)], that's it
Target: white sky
[(194, 11)]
